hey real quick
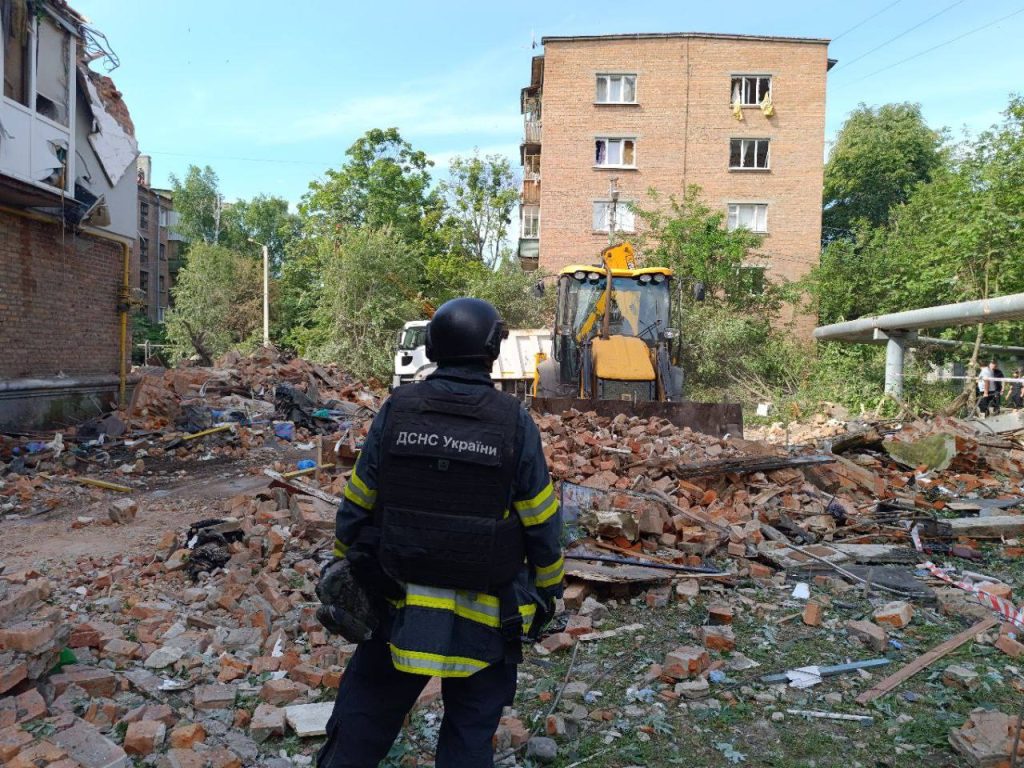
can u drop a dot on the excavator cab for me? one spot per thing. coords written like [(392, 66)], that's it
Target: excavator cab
[(613, 333), (612, 347)]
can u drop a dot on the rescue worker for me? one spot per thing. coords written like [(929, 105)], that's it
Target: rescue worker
[(451, 524)]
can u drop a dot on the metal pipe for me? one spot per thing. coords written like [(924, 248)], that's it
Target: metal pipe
[(57, 383), (965, 313), (894, 366)]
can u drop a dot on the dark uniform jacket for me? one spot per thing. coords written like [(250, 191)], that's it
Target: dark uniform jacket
[(451, 632)]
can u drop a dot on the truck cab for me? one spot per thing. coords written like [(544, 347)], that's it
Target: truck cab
[(411, 356)]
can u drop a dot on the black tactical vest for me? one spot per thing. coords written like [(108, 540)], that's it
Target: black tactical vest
[(448, 461)]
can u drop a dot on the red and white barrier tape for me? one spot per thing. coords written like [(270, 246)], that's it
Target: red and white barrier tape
[(1003, 607)]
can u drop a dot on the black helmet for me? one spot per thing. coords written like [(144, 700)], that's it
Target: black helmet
[(465, 331)]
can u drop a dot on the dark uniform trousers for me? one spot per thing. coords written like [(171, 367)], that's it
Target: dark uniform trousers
[(374, 698)]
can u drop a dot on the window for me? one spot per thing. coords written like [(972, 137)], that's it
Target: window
[(615, 153), (747, 154), (752, 216), (616, 89), (531, 165), (531, 221), (625, 221), (750, 90), (17, 39), (163, 251), (161, 314), (752, 280), (143, 249), (144, 215), (144, 281)]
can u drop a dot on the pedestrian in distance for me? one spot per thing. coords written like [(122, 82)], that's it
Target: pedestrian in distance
[(987, 393), (451, 527), (1017, 389)]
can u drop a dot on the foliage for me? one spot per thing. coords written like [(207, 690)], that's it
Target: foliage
[(218, 302), (685, 234), (958, 237), (361, 310), (384, 183), (142, 331), (264, 219), (480, 195), (198, 202), (880, 155)]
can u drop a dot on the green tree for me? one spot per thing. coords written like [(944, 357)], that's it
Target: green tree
[(880, 155), (479, 196), (199, 204), (369, 279), (685, 234), (384, 183), (264, 219), (218, 302)]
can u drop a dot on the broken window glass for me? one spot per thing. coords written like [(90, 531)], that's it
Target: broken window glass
[(627, 153), (600, 218), (16, 42), (749, 90), (748, 153), (52, 71), (599, 155)]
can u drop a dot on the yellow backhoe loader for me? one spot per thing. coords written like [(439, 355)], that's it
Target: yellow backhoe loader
[(612, 348)]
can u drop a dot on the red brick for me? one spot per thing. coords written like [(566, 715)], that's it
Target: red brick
[(12, 674), (267, 720), (28, 635), (144, 737)]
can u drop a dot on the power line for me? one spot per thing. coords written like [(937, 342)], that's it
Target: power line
[(905, 32), (241, 159), (860, 24), (939, 45)]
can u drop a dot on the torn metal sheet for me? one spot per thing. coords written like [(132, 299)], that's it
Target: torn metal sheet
[(870, 554), (902, 579), (791, 559), (114, 146)]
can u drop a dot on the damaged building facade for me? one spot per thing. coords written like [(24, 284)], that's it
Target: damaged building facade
[(68, 210), (157, 249), (743, 117)]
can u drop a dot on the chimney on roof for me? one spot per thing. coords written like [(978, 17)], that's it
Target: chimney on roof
[(145, 165)]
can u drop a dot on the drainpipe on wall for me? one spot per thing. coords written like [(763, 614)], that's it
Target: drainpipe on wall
[(123, 305)]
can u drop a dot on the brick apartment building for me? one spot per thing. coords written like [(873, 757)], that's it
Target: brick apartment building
[(157, 258), (741, 116), (67, 217)]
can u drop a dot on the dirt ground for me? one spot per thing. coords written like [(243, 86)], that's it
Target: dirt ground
[(169, 502)]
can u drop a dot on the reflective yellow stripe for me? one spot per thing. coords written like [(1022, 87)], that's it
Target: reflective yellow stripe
[(358, 481), (353, 495), (420, 663), (536, 501), (528, 612), (481, 608), (549, 575), (542, 515), (339, 548)]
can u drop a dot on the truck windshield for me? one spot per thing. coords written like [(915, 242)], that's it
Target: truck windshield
[(639, 308), (413, 337)]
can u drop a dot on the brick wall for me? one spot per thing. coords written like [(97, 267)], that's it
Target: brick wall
[(58, 301), (683, 122)]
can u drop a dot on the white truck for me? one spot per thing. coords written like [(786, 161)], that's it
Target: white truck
[(512, 372)]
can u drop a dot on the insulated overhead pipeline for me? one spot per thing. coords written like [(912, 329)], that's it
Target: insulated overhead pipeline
[(864, 329)]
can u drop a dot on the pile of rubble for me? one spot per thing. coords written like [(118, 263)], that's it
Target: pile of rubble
[(197, 653), (244, 408)]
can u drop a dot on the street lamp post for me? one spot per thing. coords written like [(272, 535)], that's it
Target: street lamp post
[(266, 292)]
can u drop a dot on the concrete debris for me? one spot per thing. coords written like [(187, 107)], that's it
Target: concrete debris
[(987, 739)]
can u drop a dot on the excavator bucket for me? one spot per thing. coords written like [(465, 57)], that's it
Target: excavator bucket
[(718, 419)]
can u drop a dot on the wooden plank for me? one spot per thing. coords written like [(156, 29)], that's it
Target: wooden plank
[(994, 527), (926, 660)]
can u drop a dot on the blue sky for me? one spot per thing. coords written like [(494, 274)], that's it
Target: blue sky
[(271, 94)]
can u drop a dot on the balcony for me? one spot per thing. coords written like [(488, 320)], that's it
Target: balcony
[(531, 190), (531, 131), (529, 253)]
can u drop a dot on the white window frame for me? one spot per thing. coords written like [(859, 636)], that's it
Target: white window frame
[(622, 148), (524, 231), (621, 211), (607, 76), (767, 155), (758, 94), (733, 214)]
